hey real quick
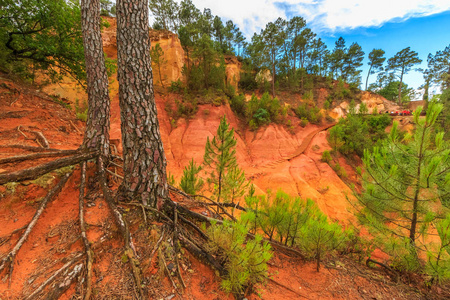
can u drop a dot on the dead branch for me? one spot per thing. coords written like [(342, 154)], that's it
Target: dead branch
[(73, 125), (195, 227), (10, 257), (54, 276), (4, 239), (20, 158), (201, 255), (217, 204), (287, 288), (64, 285), (130, 250), (391, 270), (87, 246), (21, 132), (166, 269), (28, 148), (40, 138), (114, 174), (155, 248), (176, 246), (35, 172)]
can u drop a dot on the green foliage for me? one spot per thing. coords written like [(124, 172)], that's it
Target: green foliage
[(220, 157), (43, 35), (400, 64), (191, 183), (326, 156), (320, 237), (376, 60), (309, 112), (235, 185), (245, 260), (358, 132), (157, 56), (402, 184), (296, 223)]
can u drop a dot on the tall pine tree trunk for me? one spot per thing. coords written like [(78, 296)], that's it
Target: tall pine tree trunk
[(143, 153), (96, 135), (400, 89)]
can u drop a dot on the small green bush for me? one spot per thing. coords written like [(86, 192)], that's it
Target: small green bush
[(245, 260), (326, 156)]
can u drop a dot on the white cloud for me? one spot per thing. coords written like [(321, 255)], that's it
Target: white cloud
[(327, 15)]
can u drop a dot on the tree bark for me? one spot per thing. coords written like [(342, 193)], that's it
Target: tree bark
[(143, 153), (96, 135)]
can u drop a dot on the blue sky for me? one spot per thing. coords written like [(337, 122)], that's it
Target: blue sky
[(423, 25)]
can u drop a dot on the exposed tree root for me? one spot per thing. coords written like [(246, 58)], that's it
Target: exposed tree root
[(155, 248), (35, 172), (87, 247), (392, 271), (28, 148), (20, 158), (130, 250), (9, 259), (202, 255), (6, 238), (166, 270), (55, 275), (176, 246)]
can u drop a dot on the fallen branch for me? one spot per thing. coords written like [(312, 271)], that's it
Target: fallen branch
[(28, 148), (87, 247), (202, 255), (35, 172), (176, 246), (20, 158), (369, 260), (217, 204), (6, 238), (166, 269), (54, 276), (155, 248), (10, 257), (130, 250), (40, 138)]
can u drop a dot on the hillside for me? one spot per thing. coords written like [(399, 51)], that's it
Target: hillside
[(273, 157), (55, 236)]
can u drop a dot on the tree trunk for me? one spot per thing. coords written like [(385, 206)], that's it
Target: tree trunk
[(367, 79), (400, 89), (96, 135), (143, 153)]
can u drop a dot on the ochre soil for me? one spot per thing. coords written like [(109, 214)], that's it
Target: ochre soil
[(271, 158)]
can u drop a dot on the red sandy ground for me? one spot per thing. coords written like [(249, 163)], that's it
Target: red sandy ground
[(262, 154)]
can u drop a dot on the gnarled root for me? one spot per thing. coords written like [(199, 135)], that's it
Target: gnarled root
[(9, 259), (130, 250), (35, 172)]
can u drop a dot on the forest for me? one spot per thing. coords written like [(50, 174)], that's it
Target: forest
[(400, 194)]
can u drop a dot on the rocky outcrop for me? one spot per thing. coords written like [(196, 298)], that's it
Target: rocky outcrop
[(232, 71)]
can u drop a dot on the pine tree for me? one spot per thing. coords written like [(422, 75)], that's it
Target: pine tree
[(220, 155), (235, 184), (190, 182), (403, 182)]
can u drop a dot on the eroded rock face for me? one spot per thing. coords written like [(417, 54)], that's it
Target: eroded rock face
[(233, 71), (174, 58), (373, 102)]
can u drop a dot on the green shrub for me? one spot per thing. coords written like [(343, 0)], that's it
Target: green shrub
[(326, 156), (245, 260), (190, 182), (176, 86)]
